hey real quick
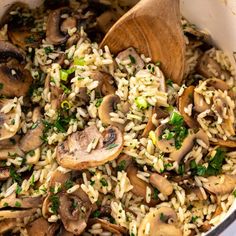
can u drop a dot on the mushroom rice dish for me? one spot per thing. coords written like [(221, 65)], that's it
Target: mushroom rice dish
[(98, 144)]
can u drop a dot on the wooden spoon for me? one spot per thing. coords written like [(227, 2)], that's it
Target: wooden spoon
[(152, 27)]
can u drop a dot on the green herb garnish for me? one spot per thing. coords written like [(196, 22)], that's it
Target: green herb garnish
[(98, 102), (15, 176), (68, 184), (96, 213), (112, 145), (18, 189), (155, 194), (132, 59), (48, 50), (103, 182), (141, 103), (121, 165), (34, 125), (1, 85), (5, 204), (54, 199), (163, 217)]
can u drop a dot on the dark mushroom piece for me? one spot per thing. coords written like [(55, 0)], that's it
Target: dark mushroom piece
[(90, 148), (4, 173), (162, 221), (15, 79), (41, 227), (54, 23), (12, 151), (12, 214), (184, 101), (7, 224)]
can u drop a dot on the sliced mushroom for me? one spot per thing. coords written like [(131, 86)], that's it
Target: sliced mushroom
[(162, 221), (12, 151), (225, 143), (204, 65), (188, 144), (68, 23), (10, 214), (139, 185), (184, 101), (74, 218), (4, 173), (198, 193), (53, 32), (7, 224), (41, 227), (221, 184), (107, 226), (200, 104), (164, 145), (9, 51), (90, 148), (10, 113), (15, 80), (132, 55), (161, 183), (124, 161), (106, 20)]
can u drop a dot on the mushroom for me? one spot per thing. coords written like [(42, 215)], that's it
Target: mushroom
[(4, 173), (139, 185), (161, 183), (162, 221), (6, 225), (200, 104), (10, 113), (12, 151), (225, 143), (205, 62), (107, 106), (188, 144), (10, 214), (124, 161), (33, 137), (107, 226), (22, 202), (68, 23), (197, 191), (15, 80), (164, 145), (53, 33), (184, 101), (217, 84), (64, 232), (133, 56), (41, 227), (106, 20), (90, 148), (74, 213), (221, 184), (8, 51)]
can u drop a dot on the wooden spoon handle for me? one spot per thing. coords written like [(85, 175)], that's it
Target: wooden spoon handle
[(152, 27)]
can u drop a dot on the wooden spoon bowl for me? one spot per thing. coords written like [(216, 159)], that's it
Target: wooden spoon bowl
[(153, 28)]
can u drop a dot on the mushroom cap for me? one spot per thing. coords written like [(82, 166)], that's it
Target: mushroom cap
[(15, 79), (73, 153), (53, 32), (8, 117), (7, 224), (225, 143), (163, 222), (200, 104), (8, 151), (221, 184), (10, 214)]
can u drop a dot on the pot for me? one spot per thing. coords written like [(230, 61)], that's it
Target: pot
[(217, 17)]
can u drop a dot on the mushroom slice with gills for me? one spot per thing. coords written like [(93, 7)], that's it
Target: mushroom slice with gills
[(12, 151), (108, 105), (225, 143), (12, 214), (9, 51), (6, 225), (53, 32), (188, 144), (200, 104), (4, 173), (74, 213), (166, 146), (23, 202), (160, 113), (90, 148), (217, 84), (221, 184), (15, 79), (41, 227), (107, 226), (208, 68), (161, 183), (185, 101), (162, 221), (139, 185), (64, 232), (132, 55), (10, 113)]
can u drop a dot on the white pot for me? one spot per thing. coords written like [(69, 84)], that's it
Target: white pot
[(218, 17)]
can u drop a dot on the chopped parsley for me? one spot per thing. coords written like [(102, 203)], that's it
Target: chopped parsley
[(169, 82), (181, 169), (48, 50), (194, 218), (96, 214), (112, 145), (163, 217), (54, 199), (74, 204), (32, 180), (5, 204), (30, 39), (98, 102), (121, 165), (155, 194), (1, 85), (103, 182), (68, 184), (31, 153), (34, 125), (17, 204), (18, 189), (15, 176), (132, 59), (234, 193)]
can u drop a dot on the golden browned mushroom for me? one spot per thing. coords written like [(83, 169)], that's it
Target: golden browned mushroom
[(90, 148), (68, 23), (11, 151), (10, 113), (4, 173), (41, 227), (33, 138), (162, 221), (221, 184), (188, 143), (10, 214), (161, 183), (217, 84), (200, 104), (206, 62), (74, 213), (184, 101), (139, 185), (53, 32), (106, 20), (7, 224), (132, 55), (107, 226), (21, 202), (225, 143), (64, 232), (107, 106), (15, 79)]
